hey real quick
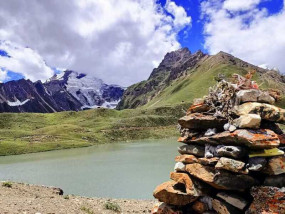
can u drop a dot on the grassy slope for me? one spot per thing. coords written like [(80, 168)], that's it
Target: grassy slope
[(197, 84), (31, 132)]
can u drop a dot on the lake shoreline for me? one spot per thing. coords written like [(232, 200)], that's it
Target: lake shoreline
[(27, 198)]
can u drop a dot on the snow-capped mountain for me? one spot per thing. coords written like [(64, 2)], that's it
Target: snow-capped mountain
[(63, 92)]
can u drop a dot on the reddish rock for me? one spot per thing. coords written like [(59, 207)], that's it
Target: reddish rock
[(163, 208), (199, 207), (173, 193), (282, 139), (275, 166), (257, 139), (192, 185), (186, 159), (201, 121), (197, 108), (220, 179), (267, 200)]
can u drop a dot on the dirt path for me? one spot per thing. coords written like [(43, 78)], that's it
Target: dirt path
[(32, 199)]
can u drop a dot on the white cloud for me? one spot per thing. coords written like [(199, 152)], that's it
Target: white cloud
[(240, 5), (24, 61), (118, 41), (253, 35)]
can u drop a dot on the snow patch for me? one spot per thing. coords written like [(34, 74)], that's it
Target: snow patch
[(109, 105), (17, 102)]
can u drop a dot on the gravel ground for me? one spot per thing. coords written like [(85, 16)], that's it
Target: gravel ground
[(33, 199)]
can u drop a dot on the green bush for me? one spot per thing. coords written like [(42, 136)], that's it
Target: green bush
[(7, 184), (112, 206)]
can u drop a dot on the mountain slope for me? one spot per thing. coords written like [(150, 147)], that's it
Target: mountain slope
[(190, 78), (70, 91)]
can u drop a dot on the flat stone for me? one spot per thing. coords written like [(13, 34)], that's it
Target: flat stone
[(173, 193), (257, 139), (275, 166), (200, 121), (192, 149), (266, 153), (266, 111), (208, 161), (267, 200), (248, 121), (231, 165), (275, 181), (256, 164), (231, 151), (192, 185), (233, 199), (179, 167), (183, 178), (254, 95), (186, 159), (163, 208), (220, 179), (224, 208), (198, 108)]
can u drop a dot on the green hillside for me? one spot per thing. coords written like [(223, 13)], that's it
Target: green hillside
[(31, 132), (195, 81)]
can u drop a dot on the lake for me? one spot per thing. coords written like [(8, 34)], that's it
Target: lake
[(116, 170)]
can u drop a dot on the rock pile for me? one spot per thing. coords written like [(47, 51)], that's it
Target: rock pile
[(232, 158)]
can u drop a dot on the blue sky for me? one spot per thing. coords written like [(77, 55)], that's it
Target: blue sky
[(122, 41)]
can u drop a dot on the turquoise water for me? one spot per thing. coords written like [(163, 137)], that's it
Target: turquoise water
[(117, 170)]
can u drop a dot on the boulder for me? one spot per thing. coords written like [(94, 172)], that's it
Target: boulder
[(254, 95), (275, 181), (173, 193), (267, 200), (248, 121), (186, 159), (236, 152), (275, 166), (200, 121), (220, 179), (208, 161), (233, 199), (192, 149), (231, 165), (256, 164), (163, 208), (266, 111), (257, 139), (179, 167)]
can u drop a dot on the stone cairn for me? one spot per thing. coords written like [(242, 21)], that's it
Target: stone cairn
[(232, 158)]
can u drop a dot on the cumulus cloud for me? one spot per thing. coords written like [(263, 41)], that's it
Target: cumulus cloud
[(118, 41), (240, 5), (22, 60), (246, 31)]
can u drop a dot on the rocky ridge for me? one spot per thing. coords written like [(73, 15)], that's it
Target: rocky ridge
[(232, 158), (70, 91)]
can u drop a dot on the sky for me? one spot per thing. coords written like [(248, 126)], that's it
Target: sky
[(122, 41)]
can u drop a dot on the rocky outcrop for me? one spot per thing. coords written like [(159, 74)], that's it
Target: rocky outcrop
[(236, 149)]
